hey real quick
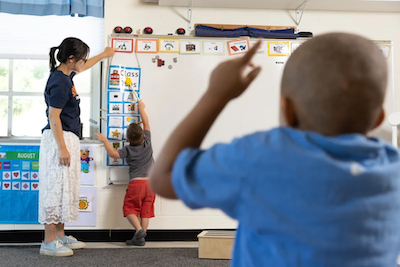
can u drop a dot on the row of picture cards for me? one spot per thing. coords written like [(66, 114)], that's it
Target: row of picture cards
[(117, 162), (209, 47)]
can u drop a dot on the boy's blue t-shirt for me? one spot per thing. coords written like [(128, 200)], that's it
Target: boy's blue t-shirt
[(301, 199), (60, 93)]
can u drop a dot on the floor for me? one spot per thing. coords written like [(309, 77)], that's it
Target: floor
[(94, 245), (154, 254)]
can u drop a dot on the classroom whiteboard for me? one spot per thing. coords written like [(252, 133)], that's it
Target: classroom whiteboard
[(171, 91)]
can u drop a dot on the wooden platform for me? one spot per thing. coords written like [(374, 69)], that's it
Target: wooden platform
[(216, 244)]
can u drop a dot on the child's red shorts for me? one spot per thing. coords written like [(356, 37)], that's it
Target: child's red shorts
[(139, 199)]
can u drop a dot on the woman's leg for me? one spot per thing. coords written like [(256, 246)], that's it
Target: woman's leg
[(49, 233)]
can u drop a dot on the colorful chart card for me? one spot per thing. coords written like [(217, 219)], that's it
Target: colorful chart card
[(146, 45), (240, 46), (169, 45), (214, 47), (87, 164), (278, 49), (117, 77), (190, 47), (125, 45), (130, 119)]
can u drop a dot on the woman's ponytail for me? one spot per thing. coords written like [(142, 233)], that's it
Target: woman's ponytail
[(53, 59)]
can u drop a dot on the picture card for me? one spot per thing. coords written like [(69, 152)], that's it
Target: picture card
[(190, 47), (114, 162), (146, 45), (125, 45), (115, 133), (115, 121), (116, 145), (214, 47), (85, 203), (115, 97), (278, 49), (240, 46), (169, 45), (115, 108), (129, 97), (117, 77), (130, 119), (130, 108)]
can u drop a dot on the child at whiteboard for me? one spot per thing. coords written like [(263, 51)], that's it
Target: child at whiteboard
[(318, 192), (139, 199)]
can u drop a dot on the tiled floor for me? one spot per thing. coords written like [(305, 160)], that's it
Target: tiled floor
[(94, 245)]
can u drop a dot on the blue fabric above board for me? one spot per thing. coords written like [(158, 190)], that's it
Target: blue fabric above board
[(93, 8), (207, 31)]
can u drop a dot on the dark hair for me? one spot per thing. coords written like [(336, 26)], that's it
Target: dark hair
[(69, 47), (135, 134)]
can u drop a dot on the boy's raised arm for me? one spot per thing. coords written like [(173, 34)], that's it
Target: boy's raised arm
[(109, 148), (144, 116)]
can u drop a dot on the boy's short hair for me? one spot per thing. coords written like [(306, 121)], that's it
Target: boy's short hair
[(337, 84), (135, 134)]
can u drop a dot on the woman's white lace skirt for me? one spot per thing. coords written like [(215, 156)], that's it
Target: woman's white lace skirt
[(59, 185)]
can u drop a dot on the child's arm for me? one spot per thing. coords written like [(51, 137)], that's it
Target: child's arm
[(226, 83), (143, 115), (110, 150)]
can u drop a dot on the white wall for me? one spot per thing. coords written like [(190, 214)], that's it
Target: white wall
[(163, 20)]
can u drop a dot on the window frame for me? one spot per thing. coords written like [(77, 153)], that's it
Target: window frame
[(94, 95)]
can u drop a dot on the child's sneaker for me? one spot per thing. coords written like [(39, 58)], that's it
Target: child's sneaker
[(55, 248), (136, 242), (71, 242)]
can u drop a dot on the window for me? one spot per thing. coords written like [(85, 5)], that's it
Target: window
[(24, 70), (22, 83)]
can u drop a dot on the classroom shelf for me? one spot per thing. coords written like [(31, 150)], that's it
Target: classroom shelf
[(326, 5)]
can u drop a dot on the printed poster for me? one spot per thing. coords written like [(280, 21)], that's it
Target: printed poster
[(214, 47), (169, 45), (87, 164), (125, 45), (118, 75), (278, 49), (146, 45), (19, 184), (190, 47), (237, 47), (87, 207)]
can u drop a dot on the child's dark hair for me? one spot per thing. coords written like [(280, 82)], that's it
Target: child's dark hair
[(69, 47), (135, 134)]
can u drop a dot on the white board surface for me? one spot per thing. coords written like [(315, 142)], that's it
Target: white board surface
[(169, 94)]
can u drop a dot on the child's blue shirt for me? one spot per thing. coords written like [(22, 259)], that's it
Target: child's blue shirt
[(301, 199)]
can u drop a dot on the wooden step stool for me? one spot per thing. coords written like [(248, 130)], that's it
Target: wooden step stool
[(216, 244)]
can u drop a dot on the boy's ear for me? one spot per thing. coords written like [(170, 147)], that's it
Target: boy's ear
[(288, 112), (381, 118)]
